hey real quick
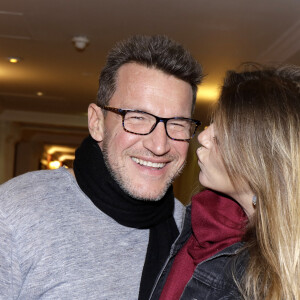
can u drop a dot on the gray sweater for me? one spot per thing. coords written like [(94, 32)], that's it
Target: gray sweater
[(56, 244)]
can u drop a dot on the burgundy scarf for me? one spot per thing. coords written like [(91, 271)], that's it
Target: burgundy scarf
[(217, 223)]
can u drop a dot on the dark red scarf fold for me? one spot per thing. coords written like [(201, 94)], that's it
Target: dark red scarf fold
[(217, 223)]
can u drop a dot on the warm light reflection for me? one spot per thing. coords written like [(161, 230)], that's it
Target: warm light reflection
[(207, 93), (56, 156), (66, 157), (54, 164), (54, 149)]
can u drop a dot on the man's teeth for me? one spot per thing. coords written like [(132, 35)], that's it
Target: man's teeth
[(148, 163)]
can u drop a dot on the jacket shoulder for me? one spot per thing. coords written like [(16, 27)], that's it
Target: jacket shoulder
[(217, 277)]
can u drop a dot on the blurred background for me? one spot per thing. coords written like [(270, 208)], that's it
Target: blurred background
[(51, 53)]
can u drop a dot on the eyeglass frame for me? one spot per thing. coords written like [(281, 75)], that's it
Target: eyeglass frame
[(123, 112)]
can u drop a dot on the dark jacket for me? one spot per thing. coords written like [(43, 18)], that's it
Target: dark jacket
[(212, 278)]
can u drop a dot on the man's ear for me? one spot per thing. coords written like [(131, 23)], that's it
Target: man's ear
[(96, 122)]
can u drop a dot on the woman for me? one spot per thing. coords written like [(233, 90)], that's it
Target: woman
[(245, 245)]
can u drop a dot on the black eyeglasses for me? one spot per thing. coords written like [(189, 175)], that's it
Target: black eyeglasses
[(143, 123)]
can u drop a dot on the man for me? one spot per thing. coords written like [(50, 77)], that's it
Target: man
[(105, 232)]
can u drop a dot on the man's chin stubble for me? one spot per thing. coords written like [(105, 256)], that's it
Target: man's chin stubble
[(128, 188)]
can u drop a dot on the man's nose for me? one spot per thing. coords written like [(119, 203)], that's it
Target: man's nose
[(157, 141)]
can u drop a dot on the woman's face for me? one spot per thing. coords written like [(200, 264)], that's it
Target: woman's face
[(213, 174), (212, 171)]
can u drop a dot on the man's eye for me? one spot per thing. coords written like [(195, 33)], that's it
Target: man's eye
[(136, 118), (175, 124)]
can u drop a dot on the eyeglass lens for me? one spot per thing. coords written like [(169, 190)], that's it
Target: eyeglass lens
[(143, 123)]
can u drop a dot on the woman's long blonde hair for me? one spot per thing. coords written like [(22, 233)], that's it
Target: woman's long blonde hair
[(257, 120)]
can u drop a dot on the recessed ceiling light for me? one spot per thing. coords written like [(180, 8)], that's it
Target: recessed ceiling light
[(14, 60), (40, 94)]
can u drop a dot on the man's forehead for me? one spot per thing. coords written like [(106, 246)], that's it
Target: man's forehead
[(134, 70), (135, 78)]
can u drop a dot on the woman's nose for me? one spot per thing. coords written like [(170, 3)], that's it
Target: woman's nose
[(206, 136)]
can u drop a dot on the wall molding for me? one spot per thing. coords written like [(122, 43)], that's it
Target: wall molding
[(31, 117)]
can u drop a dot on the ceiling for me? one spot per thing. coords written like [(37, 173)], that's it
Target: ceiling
[(220, 34)]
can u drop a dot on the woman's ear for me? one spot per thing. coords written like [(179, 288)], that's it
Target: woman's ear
[(96, 122)]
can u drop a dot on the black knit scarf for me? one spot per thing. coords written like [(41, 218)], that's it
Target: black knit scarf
[(97, 183)]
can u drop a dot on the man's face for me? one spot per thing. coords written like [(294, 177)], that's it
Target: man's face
[(145, 166)]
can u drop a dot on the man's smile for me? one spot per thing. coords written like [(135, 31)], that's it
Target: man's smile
[(148, 163)]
